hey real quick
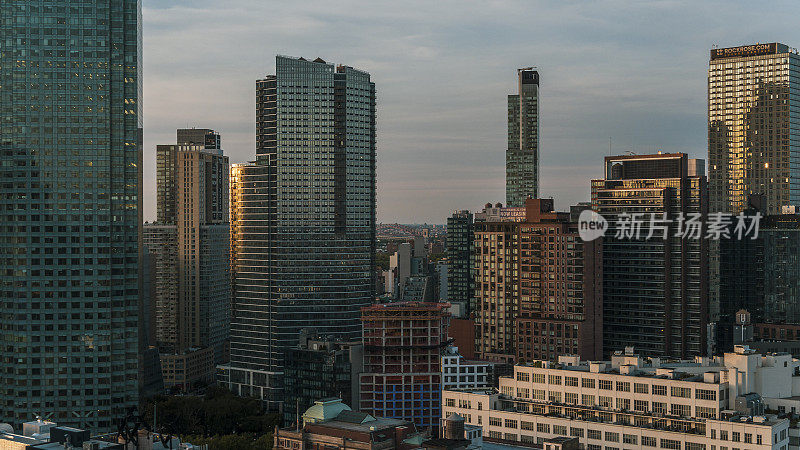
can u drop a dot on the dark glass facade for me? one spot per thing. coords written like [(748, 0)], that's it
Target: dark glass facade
[(70, 210), (317, 369), (460, 257), (655, 291), (303, 215)]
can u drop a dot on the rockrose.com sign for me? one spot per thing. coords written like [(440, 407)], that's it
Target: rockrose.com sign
[(638, 226)]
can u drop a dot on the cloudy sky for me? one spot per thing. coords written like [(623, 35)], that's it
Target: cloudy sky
[(632, 73)]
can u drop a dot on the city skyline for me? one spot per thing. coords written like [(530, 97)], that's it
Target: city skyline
[(446, 76)]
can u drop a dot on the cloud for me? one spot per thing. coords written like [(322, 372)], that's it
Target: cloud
[(631, 71)]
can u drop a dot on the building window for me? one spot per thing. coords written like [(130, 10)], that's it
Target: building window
[(571, 398), (587, 400), (571, 381), (629, 439), (659, 390), (605, 402), (554, 379), (659, 408), (542, 428), (680, 410), (495, 422), (681, 392), (576, 432), (748, 438), (612, 437), (640, 405), (706, 413), (670, 444), (623, 386), (560, 430), (594, 434), (735, 436), (451, 402), (528, 426), (648, 441), (606, 385), (694, 446), (640, 388), (510, 423), (705, 394), (587, 383), (538, 377), (624, 403), (523, 376)]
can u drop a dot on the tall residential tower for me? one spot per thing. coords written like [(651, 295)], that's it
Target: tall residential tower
[(655, 290), (70, 210), (191, 245), (302, 218), (522, 155), (753, 127)]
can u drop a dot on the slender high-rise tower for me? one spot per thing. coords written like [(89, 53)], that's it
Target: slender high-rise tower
[(753, 127), (70, 210), (302, 218), (191, 245), (522, 155)]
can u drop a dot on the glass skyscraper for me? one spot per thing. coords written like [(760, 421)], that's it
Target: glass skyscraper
[(302, 218), (753, 127), (522, 155), (70, 177)]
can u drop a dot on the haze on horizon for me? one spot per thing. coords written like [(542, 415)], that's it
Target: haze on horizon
[(621, 74)]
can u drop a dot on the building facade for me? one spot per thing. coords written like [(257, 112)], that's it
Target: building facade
[(332, 424), (191, 245), (459, 372), (522, 155), (70, 141), (403, 345), (320, 368), (303, 217), (538, 287), (655, 290), (753, 126), (496, 290), (635, 402), (561, 287), (460, 271)]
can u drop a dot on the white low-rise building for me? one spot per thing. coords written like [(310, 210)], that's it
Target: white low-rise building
[(634, 402), (461, 373)]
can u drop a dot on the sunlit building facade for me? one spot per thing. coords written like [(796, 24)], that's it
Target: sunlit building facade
[(754, 126), (302, 218), (70, 210)]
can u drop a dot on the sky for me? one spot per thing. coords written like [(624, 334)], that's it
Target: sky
[(618, 75)]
